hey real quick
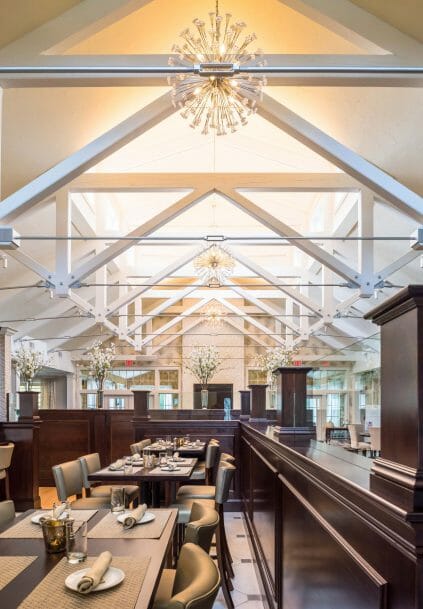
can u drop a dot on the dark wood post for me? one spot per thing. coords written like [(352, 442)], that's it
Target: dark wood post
[(398, 474), (292, 396), (245, 404), (141, 405), (258, 402), (28, 405)]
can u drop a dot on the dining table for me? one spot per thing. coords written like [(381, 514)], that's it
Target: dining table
[(190, 449), (154, 553), (141, 475)]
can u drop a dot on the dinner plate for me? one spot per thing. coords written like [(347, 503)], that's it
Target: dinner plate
[(36, 519), (111, 578), (148, 517), (167, 469)]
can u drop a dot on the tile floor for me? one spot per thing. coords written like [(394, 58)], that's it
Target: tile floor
[(246, 593)]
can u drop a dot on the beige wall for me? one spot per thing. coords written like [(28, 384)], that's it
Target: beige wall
[(405, 15)]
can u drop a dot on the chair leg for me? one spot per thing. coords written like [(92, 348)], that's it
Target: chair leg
[(225, 545), (6, 486), (223, 574)]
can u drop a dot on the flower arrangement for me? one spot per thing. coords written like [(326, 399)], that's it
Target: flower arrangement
[(100, 359), (28, 363), (204, 362), (275, 358)]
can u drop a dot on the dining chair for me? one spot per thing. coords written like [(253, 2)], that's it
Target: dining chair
[(354, 430), (68, 480), (201, 526), (221, 492), (6, 453), (7, 512), (138, 447), (374, 441), (204, 470), (90, 464), (226, 458), (194, 583)]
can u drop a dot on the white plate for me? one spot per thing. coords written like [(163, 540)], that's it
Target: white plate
[(111, 578), (167, 469), (148, 517), (36, 519)]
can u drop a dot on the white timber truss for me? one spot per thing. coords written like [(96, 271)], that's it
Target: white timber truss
[(39, 59)]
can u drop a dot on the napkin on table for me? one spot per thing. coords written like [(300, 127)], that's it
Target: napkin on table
[(135, 516), (58, 510), (95, 574), (116, 465)]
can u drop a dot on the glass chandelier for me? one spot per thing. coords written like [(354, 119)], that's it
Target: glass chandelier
[(214, 265), (214, 316), (224, 99)]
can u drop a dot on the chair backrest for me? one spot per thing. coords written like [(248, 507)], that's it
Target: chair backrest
[(224, 478), (89, 464), (214, 441), (138, 447), (354, 429), (212, 454), (7, 512), (68, 479), (374, 438), (197, 580), (202, 525), (227, 458), (6, 455)]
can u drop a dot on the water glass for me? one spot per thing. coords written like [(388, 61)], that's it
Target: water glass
[(162, 458), (168, 440), (76, 541), (169, 452), (117, 499), (159, 441), (128, 469), (186, 439)]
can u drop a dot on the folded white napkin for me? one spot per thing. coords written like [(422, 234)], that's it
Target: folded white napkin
[(95, 574), (136, 515), (136, 457), (58, 510), (116, 465)]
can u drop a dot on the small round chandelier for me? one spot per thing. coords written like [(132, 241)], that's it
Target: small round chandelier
[(214, 265), (216, 100), (214, 316)]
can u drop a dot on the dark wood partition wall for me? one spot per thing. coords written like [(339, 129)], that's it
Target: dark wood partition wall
[(322, 541)]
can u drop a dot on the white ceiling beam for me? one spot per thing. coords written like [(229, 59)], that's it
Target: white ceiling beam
[(63, 247), (120, 246), (396, 265), (79, 327), (358, 26), (155, 279), (366, 246), (152, 182), (190, 325), (283, 230), (381, 183), (83, 159), (158, 310), (278, 284), (165, 327), (250, 320), (30, 263)]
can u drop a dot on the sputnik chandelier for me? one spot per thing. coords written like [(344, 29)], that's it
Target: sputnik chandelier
[(214, 265), (216, 95), (214, 316)]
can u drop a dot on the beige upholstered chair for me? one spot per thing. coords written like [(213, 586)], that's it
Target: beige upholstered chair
[(6, 453), (220, 493), (374, 440), (193, 585), (204, 469), (138, 447), (227, 458), (68, 479), (90, 464), (355, 430), (202, 526), (192, 491), (7, 512)]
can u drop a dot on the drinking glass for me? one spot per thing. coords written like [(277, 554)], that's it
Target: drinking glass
[(162, 458), (117, 499), (76, 541), (159, 441), (186, 439), (169, 452), (128, 468), (168, 440)]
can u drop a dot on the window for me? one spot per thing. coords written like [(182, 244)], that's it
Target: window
[(256, 377), (168, 379), (168, 401)]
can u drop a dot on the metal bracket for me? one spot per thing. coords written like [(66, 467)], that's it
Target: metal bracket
[(216, 69)]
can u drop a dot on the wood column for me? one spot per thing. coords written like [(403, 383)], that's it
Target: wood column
[(258, 402), (141, 405), (292, 396), (245, 404), (398, 474), (28, 405)]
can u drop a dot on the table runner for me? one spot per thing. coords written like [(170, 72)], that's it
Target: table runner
[(110, 528), (25, 529), (12, 566), (181, 471), (51, 592)]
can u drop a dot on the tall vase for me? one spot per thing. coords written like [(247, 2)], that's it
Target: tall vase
[(204, 398), (100, 398)]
